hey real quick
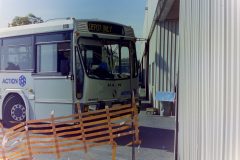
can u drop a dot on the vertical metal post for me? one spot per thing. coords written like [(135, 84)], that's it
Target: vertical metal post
[(133, 135), (131, 72)]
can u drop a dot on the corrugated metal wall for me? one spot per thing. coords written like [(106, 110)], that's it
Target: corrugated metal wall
[(163, 52), (209, 88), (163, 58)]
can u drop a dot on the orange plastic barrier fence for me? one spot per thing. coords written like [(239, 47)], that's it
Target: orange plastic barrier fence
[(76, 132)]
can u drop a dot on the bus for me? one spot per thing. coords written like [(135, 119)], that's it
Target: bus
[(54, 65)]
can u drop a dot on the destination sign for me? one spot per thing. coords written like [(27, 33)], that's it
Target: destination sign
[(105, 28)]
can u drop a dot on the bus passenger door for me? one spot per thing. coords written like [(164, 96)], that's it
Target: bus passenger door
[(53, 81)]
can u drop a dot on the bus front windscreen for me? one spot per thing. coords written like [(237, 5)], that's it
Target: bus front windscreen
[(105, 59)]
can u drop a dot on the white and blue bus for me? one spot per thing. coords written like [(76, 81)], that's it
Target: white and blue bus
[(54, 65)]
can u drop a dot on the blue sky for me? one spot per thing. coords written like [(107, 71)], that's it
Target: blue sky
[(129, 12)]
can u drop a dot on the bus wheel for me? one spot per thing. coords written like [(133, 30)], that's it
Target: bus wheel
[(14, 110)]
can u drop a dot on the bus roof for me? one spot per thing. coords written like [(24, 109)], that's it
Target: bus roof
[(49, 26), (56, 26)]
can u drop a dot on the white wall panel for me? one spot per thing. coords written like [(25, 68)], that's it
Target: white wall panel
[(209, 89), (163, 54)]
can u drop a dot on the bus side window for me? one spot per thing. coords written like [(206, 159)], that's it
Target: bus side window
[(63, 58), (47, 58), (54, 58), (17, 53)]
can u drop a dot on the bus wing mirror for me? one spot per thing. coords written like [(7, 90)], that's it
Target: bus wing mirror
[(64, 67)]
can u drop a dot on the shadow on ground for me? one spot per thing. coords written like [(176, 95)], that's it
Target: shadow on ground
[(153, 138)]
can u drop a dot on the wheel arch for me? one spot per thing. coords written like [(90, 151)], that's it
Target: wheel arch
[(19, 93)]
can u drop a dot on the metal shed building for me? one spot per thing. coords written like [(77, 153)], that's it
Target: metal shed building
[(209, 76), (161, 51)]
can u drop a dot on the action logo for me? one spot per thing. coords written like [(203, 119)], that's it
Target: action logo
[(22, 80)]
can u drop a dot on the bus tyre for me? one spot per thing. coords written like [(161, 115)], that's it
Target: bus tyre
[(14, 111)]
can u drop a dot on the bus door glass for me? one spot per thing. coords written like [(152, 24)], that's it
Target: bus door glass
[(79, 74)]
